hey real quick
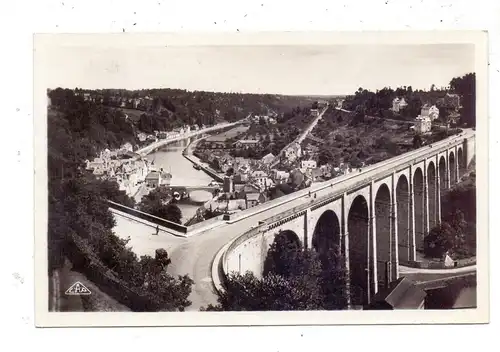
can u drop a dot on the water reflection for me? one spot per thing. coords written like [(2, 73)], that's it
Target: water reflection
[(170, 158)]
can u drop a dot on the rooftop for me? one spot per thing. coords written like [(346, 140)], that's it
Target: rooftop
[(401, 294), (253, 196), (153, 174), (248, 141)]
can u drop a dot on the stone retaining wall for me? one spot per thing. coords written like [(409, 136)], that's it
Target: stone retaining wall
[(460, 263)]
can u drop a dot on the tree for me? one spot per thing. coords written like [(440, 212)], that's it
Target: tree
[(439, 240), (154, 203), (284, 257), (413, 108), (171, 294), (465, 87), (293, 279), (417, 141), (325, 156), (161, 256), (359, 115)]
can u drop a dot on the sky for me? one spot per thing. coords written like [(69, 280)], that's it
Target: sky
[(291, 69)]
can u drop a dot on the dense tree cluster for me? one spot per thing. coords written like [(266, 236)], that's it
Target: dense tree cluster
[(77, 201), (78, 130), (157, 203), (457, 232), (465, 87), (293, 279), (379, 103), (164, 109)]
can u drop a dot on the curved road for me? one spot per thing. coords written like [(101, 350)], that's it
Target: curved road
[(194, 255)]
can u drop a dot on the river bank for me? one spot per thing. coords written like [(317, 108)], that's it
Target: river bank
[(188, 154), (151, 147), (170, 158)]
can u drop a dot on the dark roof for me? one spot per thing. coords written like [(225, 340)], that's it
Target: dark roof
[(153, 175), (239, 187), (401, 294), (252, 196)]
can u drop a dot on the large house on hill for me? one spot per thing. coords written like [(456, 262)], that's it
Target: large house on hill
[(398, 104), (293, 152), (431, 111)]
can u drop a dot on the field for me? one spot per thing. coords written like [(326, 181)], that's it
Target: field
[(232, 133), (369, 141), (133, 114)]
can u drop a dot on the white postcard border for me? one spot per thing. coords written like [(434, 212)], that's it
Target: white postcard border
[(45, 44)]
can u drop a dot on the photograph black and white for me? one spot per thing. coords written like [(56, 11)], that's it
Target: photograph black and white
[(234, 178)]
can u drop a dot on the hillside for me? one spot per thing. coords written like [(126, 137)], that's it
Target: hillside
[(165, 109)]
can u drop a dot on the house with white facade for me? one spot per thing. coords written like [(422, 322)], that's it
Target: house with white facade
[(153, 179), (128, 147), (308, 164), (293, 152), (423, 124), (280, 176), (431, 111), (267, 159), (398, 104)]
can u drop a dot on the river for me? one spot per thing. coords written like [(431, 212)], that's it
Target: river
[(170, 158)]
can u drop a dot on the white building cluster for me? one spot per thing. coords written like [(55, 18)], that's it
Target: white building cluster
[(121, 166), (423, 122)]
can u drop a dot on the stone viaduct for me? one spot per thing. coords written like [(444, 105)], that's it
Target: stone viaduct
[(378, 216)]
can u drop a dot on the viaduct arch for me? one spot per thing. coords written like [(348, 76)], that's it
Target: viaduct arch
[(378, 220)]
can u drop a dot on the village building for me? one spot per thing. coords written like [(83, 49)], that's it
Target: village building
[(127, 147), (423, 124), (151, 138), (240, 178), (342, 169), (308, 164), (431, 111), (267, 159), (135, 103), (253, 199), (293, 152), (398, 104), (228, 186), (262, 179), (141, 136), (400, 294), (248, 188), (316, 175), (153, 179), (246, 143), (326, 170), (315, 112), (279, 176)]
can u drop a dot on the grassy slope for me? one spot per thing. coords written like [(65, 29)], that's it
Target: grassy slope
[(98, 301)]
